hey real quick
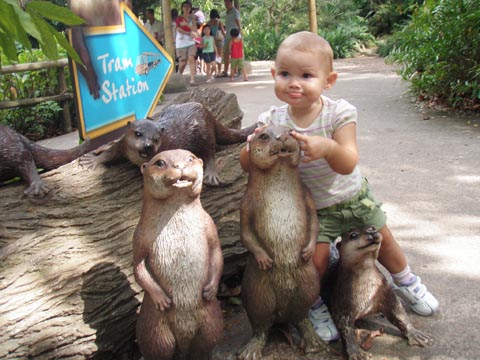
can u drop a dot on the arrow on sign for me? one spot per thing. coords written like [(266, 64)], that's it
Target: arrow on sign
[(132, 70)]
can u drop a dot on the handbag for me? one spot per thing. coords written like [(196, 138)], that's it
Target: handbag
[(219, 35)]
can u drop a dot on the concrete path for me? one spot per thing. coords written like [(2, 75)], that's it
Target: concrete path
[(425, 167)]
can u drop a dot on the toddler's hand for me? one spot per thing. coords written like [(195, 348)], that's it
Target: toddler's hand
[(313, 147)]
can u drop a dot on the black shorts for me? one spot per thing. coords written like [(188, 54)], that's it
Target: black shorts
[(208, 57)]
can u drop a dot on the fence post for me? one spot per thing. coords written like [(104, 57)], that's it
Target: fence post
[(67, 120)]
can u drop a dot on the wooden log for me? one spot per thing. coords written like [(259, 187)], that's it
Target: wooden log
[(66, 280)]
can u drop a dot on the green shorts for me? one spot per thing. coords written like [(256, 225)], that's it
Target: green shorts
[(363, 209), (236, 64)]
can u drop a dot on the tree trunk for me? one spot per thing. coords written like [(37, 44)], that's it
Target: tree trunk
[(66, 280)]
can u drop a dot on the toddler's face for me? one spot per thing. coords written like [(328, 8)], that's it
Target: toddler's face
[(300, 77)]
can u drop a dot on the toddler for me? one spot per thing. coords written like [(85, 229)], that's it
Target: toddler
[(326, 129)]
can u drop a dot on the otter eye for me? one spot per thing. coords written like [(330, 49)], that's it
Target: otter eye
[(354, 235), (264, 136), (190, 159), (138, 133), (161, 163)]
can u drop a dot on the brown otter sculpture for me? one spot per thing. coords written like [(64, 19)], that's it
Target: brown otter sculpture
[(279, 227), (188, 126), (21, 157), (361, 289), (178, 261)]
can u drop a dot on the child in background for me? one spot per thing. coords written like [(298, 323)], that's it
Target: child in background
[(236, 55), (326, 130), (209, 52)]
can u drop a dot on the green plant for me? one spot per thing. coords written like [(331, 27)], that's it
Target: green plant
[(34, 122), (38, 121), (19, 21), (439, 52), (348, 38)]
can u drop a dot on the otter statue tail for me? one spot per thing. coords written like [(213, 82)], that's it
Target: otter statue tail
[(49, 159), (227, 136)]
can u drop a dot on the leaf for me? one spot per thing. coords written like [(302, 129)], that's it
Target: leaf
[(48, 43), (66, 45), (54, 12), (11, 24), (25, 22), (8, 46)]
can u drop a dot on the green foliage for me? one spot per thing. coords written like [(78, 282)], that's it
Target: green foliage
[(37, 121), (17, 24), (439, 52), (348, 38), (34, 122), (386, 16), (267, 23)]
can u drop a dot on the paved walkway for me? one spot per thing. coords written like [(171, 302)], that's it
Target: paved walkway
[(425, 167)]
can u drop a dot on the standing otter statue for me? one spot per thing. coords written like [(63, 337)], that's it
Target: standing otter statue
[(20, 156), (189, 126), (279, 227), (360, 289), (178, 261)]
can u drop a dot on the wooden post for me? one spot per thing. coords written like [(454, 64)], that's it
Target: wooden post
[(167, 28), (312, 16), (62, 87)]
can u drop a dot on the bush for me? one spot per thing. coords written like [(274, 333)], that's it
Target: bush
[(337, 21), (348, 38), (439, 52), (36, 122), (386, 16)]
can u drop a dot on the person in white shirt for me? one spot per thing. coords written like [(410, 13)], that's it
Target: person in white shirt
[(154, 26)]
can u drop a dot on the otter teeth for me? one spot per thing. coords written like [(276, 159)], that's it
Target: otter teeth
[(182, 183)]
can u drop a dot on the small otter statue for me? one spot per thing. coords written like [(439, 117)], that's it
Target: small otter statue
[(279, 227), (178, 261), (360, 289), (188, 126), (20, 156)]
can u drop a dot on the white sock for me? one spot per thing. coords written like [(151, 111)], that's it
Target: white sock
[(404, 277)]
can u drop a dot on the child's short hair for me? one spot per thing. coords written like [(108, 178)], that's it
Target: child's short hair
[(308, 41), (234, 33)]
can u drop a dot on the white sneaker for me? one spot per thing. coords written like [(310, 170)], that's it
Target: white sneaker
[(417, 297), (211, 80), (322, 321)]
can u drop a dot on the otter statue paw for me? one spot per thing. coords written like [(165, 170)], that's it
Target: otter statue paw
[(212, 179), (253, 350), (416, 337), (209, 292), (160, 299), (37, 189), (88, 161), (308, 251), (360, 355), (311, 342), (264, 261)]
